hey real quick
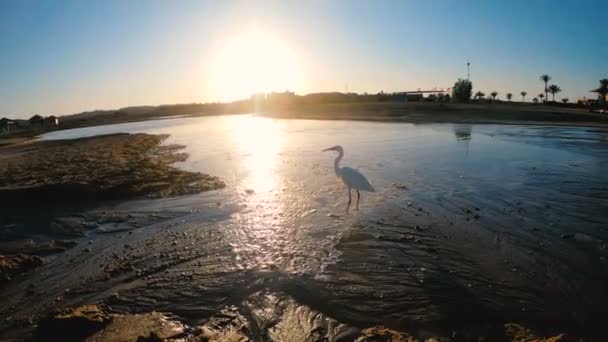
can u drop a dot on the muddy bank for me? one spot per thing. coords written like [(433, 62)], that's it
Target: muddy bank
[(104, 167)]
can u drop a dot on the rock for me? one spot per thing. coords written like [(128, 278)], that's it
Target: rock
[(29, 246), (72, 324), (381, 334), (228, 325), (13, 265), (399, 186), (149, 327), (518, 333), (69, 226)]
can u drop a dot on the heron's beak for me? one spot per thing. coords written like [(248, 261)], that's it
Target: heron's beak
[(328, 149)]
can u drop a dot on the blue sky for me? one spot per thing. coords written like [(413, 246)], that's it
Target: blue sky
[(62, 57)]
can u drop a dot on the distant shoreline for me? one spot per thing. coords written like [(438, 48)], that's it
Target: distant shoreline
[(421, 112), (408, 112)]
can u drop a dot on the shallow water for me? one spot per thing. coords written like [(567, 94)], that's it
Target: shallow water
[(470, 225)]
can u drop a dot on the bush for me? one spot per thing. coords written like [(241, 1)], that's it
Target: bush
[(462, 90)]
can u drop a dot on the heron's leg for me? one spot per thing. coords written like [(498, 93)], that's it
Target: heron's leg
[(349, 200), (358, 196)]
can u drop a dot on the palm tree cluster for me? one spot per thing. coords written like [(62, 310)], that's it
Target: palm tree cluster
[(552, 89), (545, 78)]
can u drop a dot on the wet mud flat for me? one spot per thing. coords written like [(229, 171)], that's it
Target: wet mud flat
[(50, 190), (179, 280)]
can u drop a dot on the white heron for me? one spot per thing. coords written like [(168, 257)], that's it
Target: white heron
[(352, 178)]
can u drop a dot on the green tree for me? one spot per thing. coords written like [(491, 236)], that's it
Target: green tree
[(494, 94), (545, 78), (535, 100), (565, 100), (541, 97), (509, 96), (462, 90), (479, 95), (554, 89), (523, 95)]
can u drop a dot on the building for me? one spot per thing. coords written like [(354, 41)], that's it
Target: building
[(51, 121), (7, 125), (36, 121)]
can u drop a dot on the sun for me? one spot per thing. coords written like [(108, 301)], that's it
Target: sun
[(252, 62)]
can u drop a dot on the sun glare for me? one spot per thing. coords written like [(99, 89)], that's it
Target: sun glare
[(252, 62)]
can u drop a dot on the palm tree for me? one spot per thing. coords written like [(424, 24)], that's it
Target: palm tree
[(565, 100), (545, 78), (523, 95), (541, 96), (493, 94), (554, 89), (509, 96), (603, 90)]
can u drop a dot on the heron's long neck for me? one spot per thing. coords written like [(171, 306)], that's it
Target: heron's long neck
[(337, 162)]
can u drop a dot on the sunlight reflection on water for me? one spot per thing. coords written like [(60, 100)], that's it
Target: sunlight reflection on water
[(259, 143)]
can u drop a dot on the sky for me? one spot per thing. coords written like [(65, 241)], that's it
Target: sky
[(62, 57)]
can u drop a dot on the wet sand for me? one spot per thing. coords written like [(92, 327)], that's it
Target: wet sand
[(472, 228)]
